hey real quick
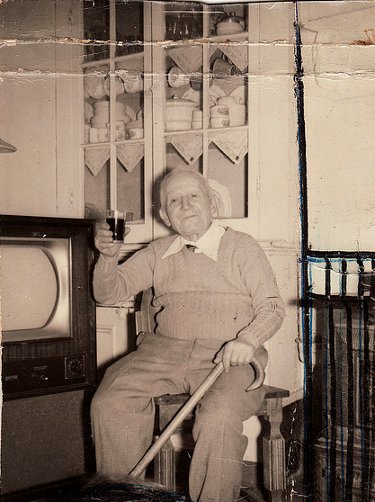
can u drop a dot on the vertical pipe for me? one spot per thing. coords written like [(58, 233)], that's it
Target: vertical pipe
[(365, 401), (326, 381), (351, 387), (328, 279), (371, 399), (371, 350), (344, 273), (361, 270), (306, 304), (372, 283), (332, 407)]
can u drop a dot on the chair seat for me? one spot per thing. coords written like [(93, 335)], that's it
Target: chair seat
[(168, 399)]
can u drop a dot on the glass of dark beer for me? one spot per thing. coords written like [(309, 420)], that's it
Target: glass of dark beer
[(116, 222)]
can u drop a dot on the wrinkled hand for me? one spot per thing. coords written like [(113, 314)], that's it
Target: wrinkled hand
[(235, 353), (104, 241)]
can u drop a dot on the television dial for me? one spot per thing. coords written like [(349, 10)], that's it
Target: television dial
[(74, 367)]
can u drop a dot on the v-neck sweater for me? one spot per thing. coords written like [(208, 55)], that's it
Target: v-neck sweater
[(199, 298)]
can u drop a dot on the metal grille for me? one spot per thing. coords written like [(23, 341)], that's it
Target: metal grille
[(341, 298)]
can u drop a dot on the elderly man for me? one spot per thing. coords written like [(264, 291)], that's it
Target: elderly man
[(218, 302)]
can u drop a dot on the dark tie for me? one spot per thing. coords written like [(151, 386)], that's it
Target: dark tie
[(191, 247)]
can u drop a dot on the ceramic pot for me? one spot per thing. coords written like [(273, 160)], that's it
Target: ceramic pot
[(237, 113), (217, 122), (230, 25), (179, 111)]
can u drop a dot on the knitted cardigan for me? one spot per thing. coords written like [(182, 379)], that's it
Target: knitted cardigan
[(236, 296)]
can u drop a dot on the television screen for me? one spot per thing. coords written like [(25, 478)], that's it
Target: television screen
[(36, 288)]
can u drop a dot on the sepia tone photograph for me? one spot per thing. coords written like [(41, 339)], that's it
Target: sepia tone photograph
[(187, 250)]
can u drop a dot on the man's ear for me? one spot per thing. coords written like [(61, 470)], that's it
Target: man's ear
[(163, 215)]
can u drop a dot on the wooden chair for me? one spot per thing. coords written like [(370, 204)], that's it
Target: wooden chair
[(274, 463)]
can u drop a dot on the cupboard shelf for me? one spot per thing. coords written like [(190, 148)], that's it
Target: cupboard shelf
[(208, 130), (108, 143), (92, 146), (225, 129), (134, 141), (183, 132)]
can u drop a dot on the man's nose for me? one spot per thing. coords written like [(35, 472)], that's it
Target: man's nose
[(186, 202)]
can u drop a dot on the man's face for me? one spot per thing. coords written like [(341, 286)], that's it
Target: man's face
[(188, 208)]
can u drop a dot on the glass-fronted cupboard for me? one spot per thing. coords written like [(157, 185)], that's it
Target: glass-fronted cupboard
[(166, 85)]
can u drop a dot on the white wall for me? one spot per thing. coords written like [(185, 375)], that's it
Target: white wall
[(39, 99), (339, 61)]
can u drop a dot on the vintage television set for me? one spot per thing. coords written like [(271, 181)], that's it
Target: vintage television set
[(48, 348)]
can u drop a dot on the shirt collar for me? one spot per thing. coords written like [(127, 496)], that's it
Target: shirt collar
[(207, 244)]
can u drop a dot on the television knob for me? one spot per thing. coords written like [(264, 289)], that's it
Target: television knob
[(74, 367), (40, 377)]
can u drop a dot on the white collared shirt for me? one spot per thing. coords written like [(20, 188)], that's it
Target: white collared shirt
[(207, 244)]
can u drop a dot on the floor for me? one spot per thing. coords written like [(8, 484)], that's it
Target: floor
[(126, 493)]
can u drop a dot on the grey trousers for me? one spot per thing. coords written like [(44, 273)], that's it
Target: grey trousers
[(122, 413)]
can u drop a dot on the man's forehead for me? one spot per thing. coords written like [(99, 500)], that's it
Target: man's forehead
[(183, 181)]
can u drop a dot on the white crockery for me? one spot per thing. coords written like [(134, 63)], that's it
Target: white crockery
[(135, 133), (219, 111), (217, 122), (180, 110), (177, 78), (227, 101), (225, 28), (230, 24)]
